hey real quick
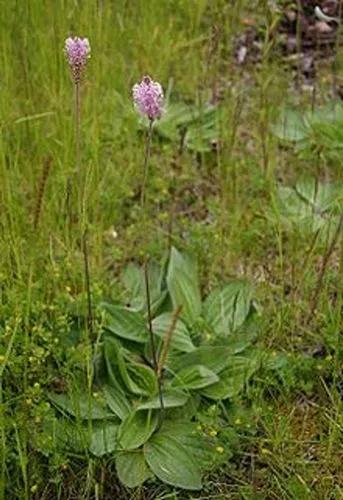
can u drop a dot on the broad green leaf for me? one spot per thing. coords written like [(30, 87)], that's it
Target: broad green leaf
[(178, 115), (310, 198), (111, 354), (227, 308), (81, 406), (232, 379), (320, 128), (291, 126), (172, 463), (197, 125), (104, 438), (187, 411), (178, 118), (310, 204), (320, 196), (244, 336), (195, 377), (180, 340), (330, 113), (137, 428), (132, 468), (201, 136), (215, 358), (178, 429), (183, 285), (126, 323), (187, 434), (117, 401), (138, 378), (143, 378), (171, 399), (63, 434), (134, 280)]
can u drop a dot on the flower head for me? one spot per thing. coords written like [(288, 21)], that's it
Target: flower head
[(148, 98), (77, 51)]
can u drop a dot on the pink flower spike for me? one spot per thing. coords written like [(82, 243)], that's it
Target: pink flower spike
[(148, 98), (77, 51)]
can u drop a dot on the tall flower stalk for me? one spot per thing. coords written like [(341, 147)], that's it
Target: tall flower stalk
[(148, 100), (77, 51)]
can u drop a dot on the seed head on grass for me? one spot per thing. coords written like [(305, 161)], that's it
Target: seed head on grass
[(148, 98), (77, 51)]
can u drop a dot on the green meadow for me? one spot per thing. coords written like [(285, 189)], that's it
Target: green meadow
[(170, 305)]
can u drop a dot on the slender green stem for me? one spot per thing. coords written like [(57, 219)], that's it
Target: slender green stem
[(23, 461), (40, 193), (83, 208), (325, 262), (87, 279), (78, 130), (146, 167), (146, 274), (152, 340)]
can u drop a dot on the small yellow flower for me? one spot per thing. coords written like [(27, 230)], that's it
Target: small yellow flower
[(220, 449), (199, 428), (238, 421), (2, 358), (213, 433), (34, 488), (68, 289), (212, 409)]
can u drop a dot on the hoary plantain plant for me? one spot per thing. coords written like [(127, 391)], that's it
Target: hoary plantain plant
[(313, 132), (205, 358), (311, 206), (196, 128)]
